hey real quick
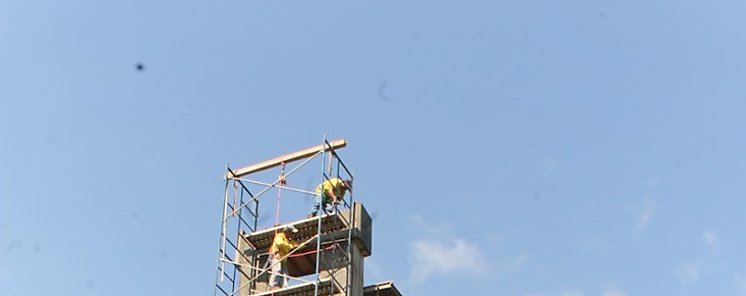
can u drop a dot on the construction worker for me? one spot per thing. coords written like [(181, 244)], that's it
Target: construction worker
[(281, 247), (330, 193)]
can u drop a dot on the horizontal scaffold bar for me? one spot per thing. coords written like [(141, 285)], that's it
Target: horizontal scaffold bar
[(287, 158)]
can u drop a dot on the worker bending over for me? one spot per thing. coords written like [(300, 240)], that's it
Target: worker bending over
[(330, 193)]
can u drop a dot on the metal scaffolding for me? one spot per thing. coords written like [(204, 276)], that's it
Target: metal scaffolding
[(326, 239)]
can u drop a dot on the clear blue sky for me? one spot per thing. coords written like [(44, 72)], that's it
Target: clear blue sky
[(505, 147)]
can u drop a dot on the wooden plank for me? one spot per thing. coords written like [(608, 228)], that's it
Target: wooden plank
[(287, 158), (307, 227)]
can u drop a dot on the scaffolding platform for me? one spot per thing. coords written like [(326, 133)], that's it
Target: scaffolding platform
[(307, 228), (330, 224), (304, 289), (334, 229)]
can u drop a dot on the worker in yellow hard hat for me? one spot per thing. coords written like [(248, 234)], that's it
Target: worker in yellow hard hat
[(281, 247), (329, 193)]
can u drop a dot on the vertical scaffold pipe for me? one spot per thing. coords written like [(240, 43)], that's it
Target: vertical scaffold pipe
[(223, 230), (318, 216)]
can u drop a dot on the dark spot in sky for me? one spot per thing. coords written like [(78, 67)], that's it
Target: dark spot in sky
[(537, 194), (140, 67), (37, 248), (480, 33), (89, 284), (382, 92), (16, 245), (602, 15), (135, 215), (164, 255)]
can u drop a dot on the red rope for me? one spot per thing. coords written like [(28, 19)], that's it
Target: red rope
[(311, 252), (279, 189)]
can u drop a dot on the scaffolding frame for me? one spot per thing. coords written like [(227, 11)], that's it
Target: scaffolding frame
[(240, 217)]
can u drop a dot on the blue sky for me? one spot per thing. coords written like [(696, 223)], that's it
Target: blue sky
[(504, 147)]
